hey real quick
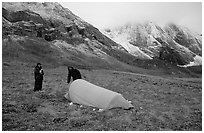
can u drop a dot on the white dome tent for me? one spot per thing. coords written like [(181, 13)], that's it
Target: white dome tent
[(85, 93)]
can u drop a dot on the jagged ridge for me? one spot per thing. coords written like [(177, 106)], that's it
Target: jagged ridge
[(173, 43)]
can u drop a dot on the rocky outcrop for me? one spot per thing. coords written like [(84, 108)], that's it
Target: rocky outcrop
[(24, 15)]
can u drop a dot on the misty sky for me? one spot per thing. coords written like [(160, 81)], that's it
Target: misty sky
[(110, 14)]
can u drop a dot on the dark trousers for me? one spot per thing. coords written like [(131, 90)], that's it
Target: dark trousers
[(38, 85)]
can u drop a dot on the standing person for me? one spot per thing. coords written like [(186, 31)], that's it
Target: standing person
[(74, 73), (38, 72)]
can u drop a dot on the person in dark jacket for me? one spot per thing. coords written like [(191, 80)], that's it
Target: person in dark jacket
[(74, 73), (38, 73)]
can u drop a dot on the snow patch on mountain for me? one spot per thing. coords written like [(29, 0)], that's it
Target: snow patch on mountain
[(123, 40), (197, 62), (151, 40), (183, 49), (152, 29)]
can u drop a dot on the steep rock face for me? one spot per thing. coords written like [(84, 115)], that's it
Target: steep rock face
[(25, 15), (177, 43), (52, 21), (50, 25)]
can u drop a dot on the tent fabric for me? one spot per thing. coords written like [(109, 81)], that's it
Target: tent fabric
[(86, 93)]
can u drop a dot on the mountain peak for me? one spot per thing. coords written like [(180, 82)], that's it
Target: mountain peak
[(149, 39)]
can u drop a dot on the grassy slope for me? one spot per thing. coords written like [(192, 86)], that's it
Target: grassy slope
[(33, 50), (160, 103)]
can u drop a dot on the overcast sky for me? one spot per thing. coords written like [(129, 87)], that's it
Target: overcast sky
[(110, 14)]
